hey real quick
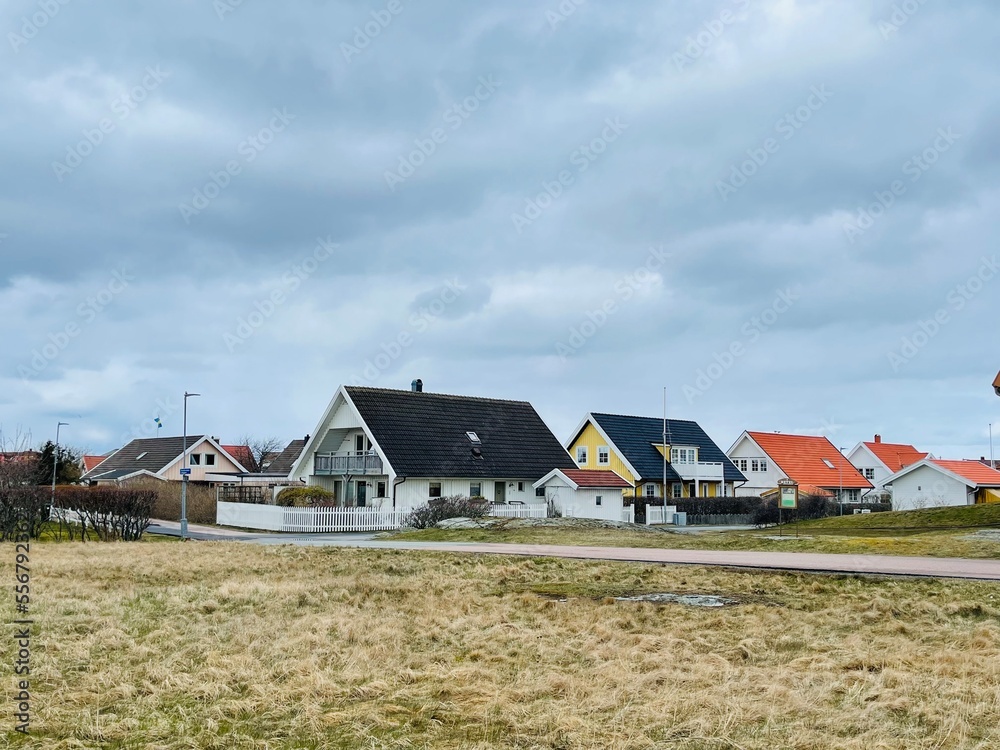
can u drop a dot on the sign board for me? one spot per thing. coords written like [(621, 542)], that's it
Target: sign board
[(185, 472), (788, 498)]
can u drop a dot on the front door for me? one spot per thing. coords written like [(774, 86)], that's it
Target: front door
[(500, 492), (362, 494)]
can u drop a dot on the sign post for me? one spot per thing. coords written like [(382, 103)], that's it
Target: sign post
[(788, 499)]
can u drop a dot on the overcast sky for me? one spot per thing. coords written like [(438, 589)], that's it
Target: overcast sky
[(784, 211)]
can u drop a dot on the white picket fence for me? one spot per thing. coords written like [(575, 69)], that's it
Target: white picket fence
[(628, 514), (659, 516), (309, 520), (518, 511)]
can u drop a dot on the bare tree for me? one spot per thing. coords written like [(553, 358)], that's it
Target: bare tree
[(18, 462), (260, 451)]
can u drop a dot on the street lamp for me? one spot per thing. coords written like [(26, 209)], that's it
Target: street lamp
[(185, 471), (55, 460)]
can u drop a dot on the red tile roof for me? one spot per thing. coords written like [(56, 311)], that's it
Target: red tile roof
[(92, 462), (801, 458), (896, 455), (974, 471), (595, 479), (242, 455)]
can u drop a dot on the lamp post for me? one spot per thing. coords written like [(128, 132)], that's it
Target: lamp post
[(55, 460), (185, 469)]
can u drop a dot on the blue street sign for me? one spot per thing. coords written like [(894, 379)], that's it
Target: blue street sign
[(185, 472)]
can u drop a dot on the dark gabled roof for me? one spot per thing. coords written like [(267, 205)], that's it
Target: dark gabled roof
[(635, 438), (282, 463), (159, 452), (424, 435), (102, 475)]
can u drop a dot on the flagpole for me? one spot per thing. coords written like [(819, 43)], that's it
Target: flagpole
[(665, 449)]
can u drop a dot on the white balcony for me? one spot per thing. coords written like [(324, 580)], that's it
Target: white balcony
[(703, 471)]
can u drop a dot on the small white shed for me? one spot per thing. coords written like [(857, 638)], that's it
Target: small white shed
[(583, 493)]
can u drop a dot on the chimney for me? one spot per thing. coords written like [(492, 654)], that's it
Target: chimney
[(417, 386), (878, 438)]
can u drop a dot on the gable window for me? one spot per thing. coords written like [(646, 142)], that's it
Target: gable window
[(603, 455), (434, 490), (581, 455), (362, 444), (650, 490), (869, 474), (741, 464), (194, 459), (476, 489), (677, 490), (209, 459), (683, 456), (763, 464), (539, 492), (755, 465), (599, 500)]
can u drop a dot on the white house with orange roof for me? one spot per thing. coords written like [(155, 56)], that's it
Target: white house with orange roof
[(765, 458), (878, 460), (936, 483)]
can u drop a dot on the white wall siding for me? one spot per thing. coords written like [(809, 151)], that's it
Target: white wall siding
[(582, 503), (928, 488), (757, 481), (416, 491)]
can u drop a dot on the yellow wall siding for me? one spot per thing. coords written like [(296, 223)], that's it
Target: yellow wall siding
[(592, 439)]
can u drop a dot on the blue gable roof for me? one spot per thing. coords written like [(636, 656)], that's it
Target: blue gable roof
[(634, 437)]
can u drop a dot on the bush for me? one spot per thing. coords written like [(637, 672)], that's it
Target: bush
[(113, 513), (810, 507), (716, 506), (23, 509), (442, 508), (304, 497), (201, 503)]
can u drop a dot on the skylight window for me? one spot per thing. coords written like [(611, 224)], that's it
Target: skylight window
[(473, 437), (829, 463), (139, 457)]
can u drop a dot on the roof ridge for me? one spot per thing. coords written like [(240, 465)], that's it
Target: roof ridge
[(637, 416), (424, 394)]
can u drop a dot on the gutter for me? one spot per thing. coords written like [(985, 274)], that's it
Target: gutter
[(395, 483)]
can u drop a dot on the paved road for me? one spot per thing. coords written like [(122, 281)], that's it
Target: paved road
[(926, 567)]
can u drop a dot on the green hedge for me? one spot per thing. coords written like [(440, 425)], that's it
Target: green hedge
[(304, 497)]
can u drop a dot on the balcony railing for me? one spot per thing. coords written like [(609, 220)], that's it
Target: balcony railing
[(330, 464), (711, 471)]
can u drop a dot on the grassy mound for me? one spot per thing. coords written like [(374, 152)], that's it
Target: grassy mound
[(929, 519)]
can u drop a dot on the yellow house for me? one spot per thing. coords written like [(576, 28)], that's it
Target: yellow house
[(634, 448)]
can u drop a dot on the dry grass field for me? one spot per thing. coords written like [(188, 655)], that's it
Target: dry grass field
[(236, 646)]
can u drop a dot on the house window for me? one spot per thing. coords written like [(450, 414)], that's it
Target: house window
[(755, 465), (209, 459), (380, 489), (435, 489), (763, 464), (599, 500), (603, 455), (141, 455), (650, 490), (362, 443), (683, 456), (539, 492), (473, 437), (704, 490), (581, 455), (869, 474), (520, 486), (741, 464), (476, 489), (677, 490), (194, 459)]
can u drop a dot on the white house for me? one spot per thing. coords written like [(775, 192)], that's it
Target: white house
[(814, 462), (934, 483), (582, 493), (878, 460), (399, 449)]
